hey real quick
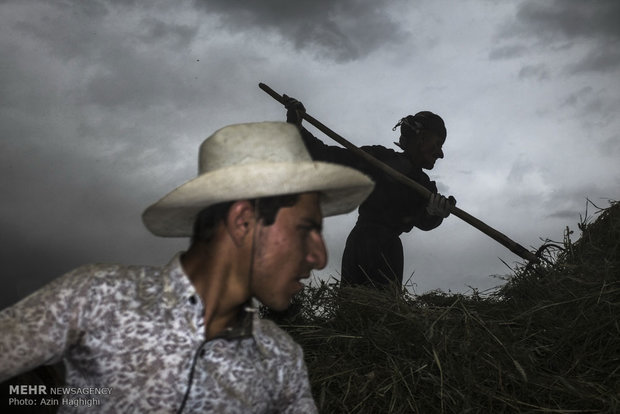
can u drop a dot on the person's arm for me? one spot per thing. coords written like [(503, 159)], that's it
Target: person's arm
[(428, 214), (285, 359), (40, 328), (297, 392), (318, 150), (437, 209)]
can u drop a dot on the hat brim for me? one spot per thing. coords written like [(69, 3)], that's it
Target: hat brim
[(342, 190)]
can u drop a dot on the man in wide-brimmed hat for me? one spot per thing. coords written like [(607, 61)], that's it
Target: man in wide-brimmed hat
[(185, 337)]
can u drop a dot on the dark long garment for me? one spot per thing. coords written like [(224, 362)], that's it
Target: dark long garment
[(373, 253)]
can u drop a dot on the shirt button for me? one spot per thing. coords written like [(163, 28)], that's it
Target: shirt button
[(192, 300), (202, 353)]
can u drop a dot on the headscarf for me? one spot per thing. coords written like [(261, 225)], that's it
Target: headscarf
[(411, 125)]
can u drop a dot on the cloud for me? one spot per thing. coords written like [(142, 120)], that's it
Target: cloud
[(569, 204), (594, 108), (105, 102), (571, 19), (566, 215), (589, 28), (606, 58), (156, 31), (337, 30), (66, 29), (101, 54), (507, 52), (611, 146), (577, 97), (538, 72)]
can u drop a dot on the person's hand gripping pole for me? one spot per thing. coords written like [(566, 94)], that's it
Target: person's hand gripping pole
[(439, 205)]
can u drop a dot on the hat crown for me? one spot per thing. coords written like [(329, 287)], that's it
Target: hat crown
[(253, 143), (248, 161)]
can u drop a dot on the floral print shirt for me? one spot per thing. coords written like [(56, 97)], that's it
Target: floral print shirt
[(132, 339)]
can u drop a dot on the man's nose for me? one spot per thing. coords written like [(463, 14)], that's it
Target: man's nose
[(317, 252), (439, 153)]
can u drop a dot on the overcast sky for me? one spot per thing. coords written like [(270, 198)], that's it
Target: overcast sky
[(103, 104)]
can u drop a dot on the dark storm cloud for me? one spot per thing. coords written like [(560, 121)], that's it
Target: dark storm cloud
[(79, 203), (114, 68), (126, 83), (538, 72), (104, 103), (564, 24), (66, 29), (572, 204), (574, 39), (566, 215), (64, 235), (89, 130), (559, 20), (599, 103), (74, 29), (578, 96), (155, 31), (340, 30), (606, 58), (22, 274), (507, 52)]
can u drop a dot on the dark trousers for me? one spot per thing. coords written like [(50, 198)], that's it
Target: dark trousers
[(373, 256)]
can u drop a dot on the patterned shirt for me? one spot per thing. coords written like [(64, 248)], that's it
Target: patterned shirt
[(132, 339)]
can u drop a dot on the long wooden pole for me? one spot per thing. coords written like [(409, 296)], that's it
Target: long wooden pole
[(501, 238)]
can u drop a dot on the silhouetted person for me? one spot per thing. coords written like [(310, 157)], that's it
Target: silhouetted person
[(373, 254)]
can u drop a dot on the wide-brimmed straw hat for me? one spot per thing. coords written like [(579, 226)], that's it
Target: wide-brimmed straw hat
[(254, 160)]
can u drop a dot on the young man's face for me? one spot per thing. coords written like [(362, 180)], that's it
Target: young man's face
[(287, 251)]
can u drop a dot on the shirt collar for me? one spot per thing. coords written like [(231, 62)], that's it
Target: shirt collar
[(178, 288), (243, 326)]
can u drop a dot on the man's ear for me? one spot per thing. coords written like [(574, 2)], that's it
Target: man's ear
[(240, 220)]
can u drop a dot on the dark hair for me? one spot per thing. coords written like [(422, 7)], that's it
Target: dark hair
[(266, 209)]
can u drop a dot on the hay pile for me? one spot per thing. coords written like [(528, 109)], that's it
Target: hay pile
[(547, 341)]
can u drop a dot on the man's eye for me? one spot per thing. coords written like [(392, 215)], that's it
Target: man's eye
[(310, 228)]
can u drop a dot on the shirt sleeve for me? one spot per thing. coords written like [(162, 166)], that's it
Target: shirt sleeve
[(40, 328), (320, 151), (298, 391), (290, 375), (422, 219)]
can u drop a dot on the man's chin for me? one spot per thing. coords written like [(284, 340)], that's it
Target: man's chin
[(279, 308)]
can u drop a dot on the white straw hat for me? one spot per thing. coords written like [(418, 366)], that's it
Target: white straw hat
[(247, 161)]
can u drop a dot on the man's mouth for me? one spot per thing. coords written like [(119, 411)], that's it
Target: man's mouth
[(299, 281), (299, 286)]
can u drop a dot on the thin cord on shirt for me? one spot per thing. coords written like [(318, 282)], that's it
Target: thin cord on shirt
[(191, 377)]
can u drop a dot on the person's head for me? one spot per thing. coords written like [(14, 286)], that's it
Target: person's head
[(282, 237), (421, 138), (259, 181)]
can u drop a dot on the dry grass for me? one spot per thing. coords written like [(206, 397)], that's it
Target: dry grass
[(548, 341)]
